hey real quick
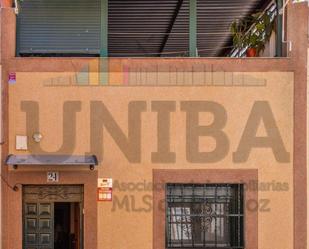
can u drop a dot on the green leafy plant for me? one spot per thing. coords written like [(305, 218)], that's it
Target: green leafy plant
[(252, 32)]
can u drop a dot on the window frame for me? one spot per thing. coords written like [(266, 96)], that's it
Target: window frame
[(194, 196), (199, 176)]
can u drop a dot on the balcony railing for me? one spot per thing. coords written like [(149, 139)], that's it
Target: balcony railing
[(153, 72)]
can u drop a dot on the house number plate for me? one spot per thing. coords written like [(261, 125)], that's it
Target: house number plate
[(52, 176)]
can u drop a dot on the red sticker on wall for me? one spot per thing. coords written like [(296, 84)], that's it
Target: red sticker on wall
[(105, 194), (105, 189), (12, 78)]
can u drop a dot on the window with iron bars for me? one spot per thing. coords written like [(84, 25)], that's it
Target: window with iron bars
[(205, 216)]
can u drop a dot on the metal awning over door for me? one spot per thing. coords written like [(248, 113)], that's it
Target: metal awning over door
[(52, 160)]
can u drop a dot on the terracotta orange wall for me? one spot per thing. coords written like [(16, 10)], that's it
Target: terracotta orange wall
[(282, 88), (308, 148), (6, 3), (0, 131), (0, 36), (1, 200), (237, 100)]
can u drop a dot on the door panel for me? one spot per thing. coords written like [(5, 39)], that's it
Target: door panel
[(38, 226)]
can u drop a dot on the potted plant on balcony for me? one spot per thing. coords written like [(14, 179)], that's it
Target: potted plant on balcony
[(252, 33)]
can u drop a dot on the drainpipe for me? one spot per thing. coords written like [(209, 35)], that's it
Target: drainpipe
[(193, 28), (103, 61), (104, 29), (279, 37)]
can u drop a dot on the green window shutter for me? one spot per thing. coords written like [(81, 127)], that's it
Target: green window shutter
[(59, 27)]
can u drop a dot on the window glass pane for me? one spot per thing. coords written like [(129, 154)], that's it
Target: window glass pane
[(205, 216)]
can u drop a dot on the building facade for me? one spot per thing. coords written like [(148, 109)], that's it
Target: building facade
[(201, 152)]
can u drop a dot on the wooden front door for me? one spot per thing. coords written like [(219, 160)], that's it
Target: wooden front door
[(39, 213)]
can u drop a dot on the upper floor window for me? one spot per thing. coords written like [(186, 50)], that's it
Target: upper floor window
[(205, 216), (144, 28), (58, 27)]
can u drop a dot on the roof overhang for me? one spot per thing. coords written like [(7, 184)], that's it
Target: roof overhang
[(52, 160)]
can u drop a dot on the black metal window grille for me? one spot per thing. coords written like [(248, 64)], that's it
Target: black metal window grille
[(205, 216)]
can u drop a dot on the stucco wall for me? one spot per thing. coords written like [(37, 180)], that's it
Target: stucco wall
[(0, 147), (123, 228), (0, 128), (307, 148)]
